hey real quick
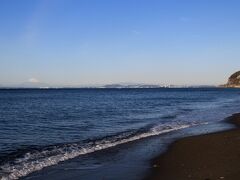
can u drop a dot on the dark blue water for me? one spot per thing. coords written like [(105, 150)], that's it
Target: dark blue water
[(41, 128)]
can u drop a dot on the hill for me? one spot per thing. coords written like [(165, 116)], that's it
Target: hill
[(234, 80)]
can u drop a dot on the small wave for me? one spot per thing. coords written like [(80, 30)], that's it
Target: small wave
[(39, 159), (186, 109), (174, 116)]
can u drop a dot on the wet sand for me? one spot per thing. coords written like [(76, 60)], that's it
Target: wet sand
[(206, 157)]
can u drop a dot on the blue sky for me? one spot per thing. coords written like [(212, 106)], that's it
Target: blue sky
[(74, 42)]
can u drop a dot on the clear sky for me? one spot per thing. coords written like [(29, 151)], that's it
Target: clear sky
[(73, 42)]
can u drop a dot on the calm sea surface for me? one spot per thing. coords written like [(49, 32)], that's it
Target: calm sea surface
[(41, 128)]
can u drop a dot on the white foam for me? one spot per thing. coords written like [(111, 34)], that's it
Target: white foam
[(36, 161)]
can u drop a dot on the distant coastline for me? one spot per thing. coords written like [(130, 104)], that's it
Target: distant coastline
[(112, 86)]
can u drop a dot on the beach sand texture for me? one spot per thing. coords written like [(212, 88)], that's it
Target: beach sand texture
[(206, 157)]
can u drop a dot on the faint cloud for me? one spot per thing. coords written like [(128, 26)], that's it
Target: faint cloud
[(33, 80), (83, 49), (135, 32), (33, 24), (184, 19), (30, 35)]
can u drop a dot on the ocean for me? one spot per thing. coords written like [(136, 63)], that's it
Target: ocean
[(101, 133)]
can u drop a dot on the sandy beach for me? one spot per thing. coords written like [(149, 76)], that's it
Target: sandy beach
[(205, 157)]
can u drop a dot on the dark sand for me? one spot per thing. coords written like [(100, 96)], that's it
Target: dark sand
[(205, 157)]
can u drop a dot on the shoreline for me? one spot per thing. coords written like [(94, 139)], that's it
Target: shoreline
[(202, 157)]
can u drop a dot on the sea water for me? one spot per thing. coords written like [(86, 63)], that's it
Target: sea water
[(45, 128)]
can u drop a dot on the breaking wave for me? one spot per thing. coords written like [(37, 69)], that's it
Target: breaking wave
[(39, 158)]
